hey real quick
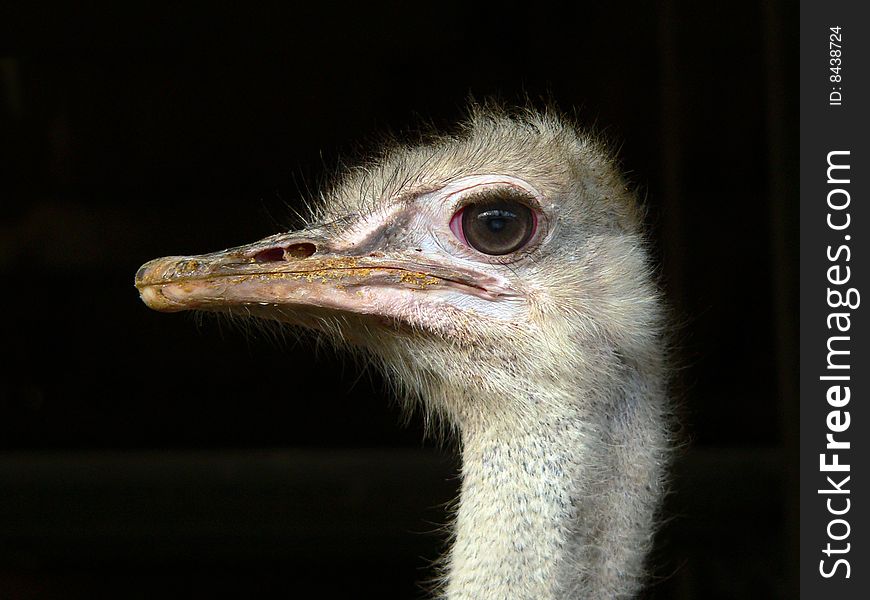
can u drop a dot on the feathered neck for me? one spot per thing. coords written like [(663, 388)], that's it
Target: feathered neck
[(558, 500)]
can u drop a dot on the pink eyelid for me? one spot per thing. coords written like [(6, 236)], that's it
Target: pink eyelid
[(456, 225)]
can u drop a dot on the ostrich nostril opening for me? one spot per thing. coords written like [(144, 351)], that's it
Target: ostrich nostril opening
[(270, 255), (303, 250)]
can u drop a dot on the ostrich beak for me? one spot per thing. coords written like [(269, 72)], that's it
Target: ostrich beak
[(303, 270)]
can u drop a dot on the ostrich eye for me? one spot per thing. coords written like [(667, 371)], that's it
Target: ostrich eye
[(494, 226)]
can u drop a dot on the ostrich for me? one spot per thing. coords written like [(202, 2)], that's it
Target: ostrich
[(500, 278)]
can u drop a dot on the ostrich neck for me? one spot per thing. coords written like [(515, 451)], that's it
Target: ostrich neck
[(515, 513), (559, 506)]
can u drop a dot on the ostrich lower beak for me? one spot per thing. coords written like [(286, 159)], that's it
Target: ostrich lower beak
[(298, 272)]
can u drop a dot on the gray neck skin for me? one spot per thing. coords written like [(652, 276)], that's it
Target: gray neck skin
[(562, 506)]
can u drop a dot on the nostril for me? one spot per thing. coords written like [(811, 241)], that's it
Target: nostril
[(270, 255), (303, 250)]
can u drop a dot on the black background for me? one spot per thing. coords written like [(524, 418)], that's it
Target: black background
[(150, 455)]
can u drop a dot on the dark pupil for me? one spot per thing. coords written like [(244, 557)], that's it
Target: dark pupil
[(496, 221), (497, 226)]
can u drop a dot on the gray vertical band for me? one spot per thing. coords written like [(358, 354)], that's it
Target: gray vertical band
[(834, 335)]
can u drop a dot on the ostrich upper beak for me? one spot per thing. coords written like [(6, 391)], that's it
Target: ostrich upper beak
[(304, 269)]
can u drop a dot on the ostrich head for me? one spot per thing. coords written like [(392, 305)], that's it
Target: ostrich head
[(500, 277)]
